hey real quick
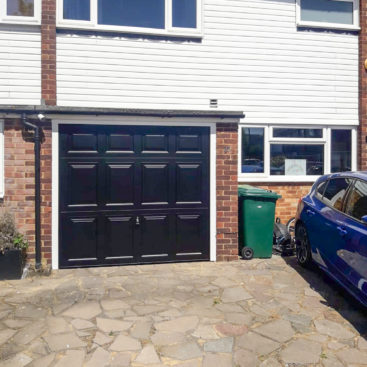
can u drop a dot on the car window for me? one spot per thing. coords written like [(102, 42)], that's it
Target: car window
[(357, 202), (320, 189), (335, 192)]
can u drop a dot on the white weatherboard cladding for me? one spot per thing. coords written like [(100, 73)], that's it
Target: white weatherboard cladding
[(252, 58), (20, 65)]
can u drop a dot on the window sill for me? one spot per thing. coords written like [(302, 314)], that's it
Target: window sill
[(182, 33), (20, 21), (335, 26), (271, 179)]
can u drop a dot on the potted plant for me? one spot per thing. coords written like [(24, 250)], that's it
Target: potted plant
[(13, 247)]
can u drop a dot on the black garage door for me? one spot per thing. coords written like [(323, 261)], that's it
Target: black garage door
[(133, 194)]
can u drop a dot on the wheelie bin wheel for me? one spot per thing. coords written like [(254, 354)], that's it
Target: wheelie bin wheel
[(247, 253)]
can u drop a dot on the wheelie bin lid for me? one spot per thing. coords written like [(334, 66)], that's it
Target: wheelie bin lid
[(247, 191)]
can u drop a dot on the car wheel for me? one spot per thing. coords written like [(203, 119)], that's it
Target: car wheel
[(247, 253), (303, 248)]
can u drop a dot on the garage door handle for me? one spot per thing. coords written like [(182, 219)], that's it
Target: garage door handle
[(342, 231), (137, 222)]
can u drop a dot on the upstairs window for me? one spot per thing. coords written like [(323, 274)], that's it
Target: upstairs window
[(20, 11), (342, 14), (137, 16)]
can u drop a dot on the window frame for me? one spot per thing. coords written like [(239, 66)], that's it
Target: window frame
[(268, 140), (355, 26), (92, 24), (8, 19)]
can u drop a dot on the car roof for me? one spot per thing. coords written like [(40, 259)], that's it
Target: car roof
[(356, 174)]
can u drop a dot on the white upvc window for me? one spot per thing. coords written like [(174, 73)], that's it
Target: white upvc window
[(156, 17), (2, 169), (20, 11), (338, 14), (271, 153)]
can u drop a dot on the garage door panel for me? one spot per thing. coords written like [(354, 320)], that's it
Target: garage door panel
[(120, 184), (120, 143), (155, 184), (189, 184), (80, 239), (189, 143), (190, 231), (119, 239), (80, 141), (155, 238), (82, 184), (84, 142), (155, 143)]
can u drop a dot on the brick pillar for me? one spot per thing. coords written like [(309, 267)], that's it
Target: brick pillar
[(19, 180), (19, 184), (227, 199), (362, 144), (48, 53)]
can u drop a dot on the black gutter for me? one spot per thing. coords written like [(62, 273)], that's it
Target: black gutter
[(37, 179), (31, 110)]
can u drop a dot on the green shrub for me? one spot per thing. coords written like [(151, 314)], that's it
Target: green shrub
[(10, 237)]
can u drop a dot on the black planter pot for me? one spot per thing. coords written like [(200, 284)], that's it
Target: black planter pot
[(11, 264)]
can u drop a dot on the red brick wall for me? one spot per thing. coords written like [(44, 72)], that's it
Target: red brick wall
[(227, 197), (19, 180), (48, 54), (291, 193), (19, 184)]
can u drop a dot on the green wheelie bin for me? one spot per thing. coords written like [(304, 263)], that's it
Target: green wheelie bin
[(256, 221)]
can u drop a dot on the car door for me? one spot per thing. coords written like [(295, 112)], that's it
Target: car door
[(312, 218), (331, 225), (354, 251)]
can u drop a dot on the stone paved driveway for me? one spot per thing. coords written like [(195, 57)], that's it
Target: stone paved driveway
[(256, 313)]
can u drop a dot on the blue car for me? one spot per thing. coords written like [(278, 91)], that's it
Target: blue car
[(331, 230)]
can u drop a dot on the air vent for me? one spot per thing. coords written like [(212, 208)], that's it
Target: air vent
[(213, 103)]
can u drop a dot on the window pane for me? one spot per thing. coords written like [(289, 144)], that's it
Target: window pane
[(341, 150), (329, 11), (357, 203), (252, 150), (132, 13), (77, 9), (296, 160), (23, 8), (297, 133), (320, 189), (335, 191), (184, 13)]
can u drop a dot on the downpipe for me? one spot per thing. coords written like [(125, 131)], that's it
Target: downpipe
[(37, 179)]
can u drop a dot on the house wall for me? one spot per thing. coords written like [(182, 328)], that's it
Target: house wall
[(291, 193), (19, 184), (252, 58), (20, 65)]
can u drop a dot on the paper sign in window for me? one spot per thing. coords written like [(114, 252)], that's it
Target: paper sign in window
[(295, 167)]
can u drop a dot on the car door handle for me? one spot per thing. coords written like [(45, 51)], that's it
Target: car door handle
[(310, 212), (342, 231)]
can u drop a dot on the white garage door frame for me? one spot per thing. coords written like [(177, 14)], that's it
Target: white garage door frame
[(129, 120)]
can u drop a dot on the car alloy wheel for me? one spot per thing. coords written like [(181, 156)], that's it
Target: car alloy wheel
[(303, 250)]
